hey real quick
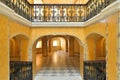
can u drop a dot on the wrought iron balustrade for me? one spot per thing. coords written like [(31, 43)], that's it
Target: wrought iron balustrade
[(57, 12), (21, 7), (95, 70), (94, 7), (20, 70)]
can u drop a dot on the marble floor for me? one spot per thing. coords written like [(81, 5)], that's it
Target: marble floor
[(59, 66)]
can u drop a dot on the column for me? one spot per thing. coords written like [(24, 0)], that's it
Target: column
[(44, 46), (66, 45), (50, 45), (118, 52), (71, 46)]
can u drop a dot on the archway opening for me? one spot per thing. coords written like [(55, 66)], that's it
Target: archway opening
[(20, 67), (96, 57), (47, 46), (57, 52), (57, 43), (19, 48), (96, 47)]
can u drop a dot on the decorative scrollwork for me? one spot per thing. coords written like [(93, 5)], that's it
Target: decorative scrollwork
[(94, 70), (20, 70), (57, 12)]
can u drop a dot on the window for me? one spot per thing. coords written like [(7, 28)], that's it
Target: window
[(55, 43), (39, 44)]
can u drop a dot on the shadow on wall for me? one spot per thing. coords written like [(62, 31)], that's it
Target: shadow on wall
[(96, 46), (19, 48)]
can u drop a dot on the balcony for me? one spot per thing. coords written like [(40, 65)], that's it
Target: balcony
[(56, 13)]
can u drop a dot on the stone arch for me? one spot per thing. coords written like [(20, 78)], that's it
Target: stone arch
[(77, 38), (24, 40), (32, 43), (94, 33), (19, 34), (90, 37)]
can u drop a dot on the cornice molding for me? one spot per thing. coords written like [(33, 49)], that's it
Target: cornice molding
[(13, 15), (57, 24), (114, 7)]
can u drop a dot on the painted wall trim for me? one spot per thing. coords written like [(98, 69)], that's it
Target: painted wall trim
[(114, 7), (57, 24), (13, 15)]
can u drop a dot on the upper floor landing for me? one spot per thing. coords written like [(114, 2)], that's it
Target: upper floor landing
[(52, 15)]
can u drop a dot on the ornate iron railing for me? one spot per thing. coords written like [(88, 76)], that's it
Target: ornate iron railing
[(20, 70), (94, 7), (94, 70), (21, 7), (57, 12)]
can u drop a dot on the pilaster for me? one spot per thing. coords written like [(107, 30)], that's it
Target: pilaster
[(71, 46), (44, 46)]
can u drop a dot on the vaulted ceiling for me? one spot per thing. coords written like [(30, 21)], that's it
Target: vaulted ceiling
[(60, 1)]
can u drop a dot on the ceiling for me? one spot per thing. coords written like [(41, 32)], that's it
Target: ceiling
[(60, 1)]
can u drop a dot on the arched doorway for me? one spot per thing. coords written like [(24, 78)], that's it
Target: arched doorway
[(61, 41), (95, 66), (61, 52), (19, 48), (96, 47), (57, 43), (20, 67)]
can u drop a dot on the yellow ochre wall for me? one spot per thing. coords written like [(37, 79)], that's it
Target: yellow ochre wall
[(76, 47), (91, 49), (112, 47), (4, 53), (108, 28), (8, 29)]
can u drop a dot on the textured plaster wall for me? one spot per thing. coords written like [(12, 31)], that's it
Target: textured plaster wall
[(8, 29), (4, 52), (108, 30)]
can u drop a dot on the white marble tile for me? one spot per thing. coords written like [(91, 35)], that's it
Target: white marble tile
[(65, 68)]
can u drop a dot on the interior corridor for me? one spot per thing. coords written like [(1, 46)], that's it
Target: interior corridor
[(58, 66)]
